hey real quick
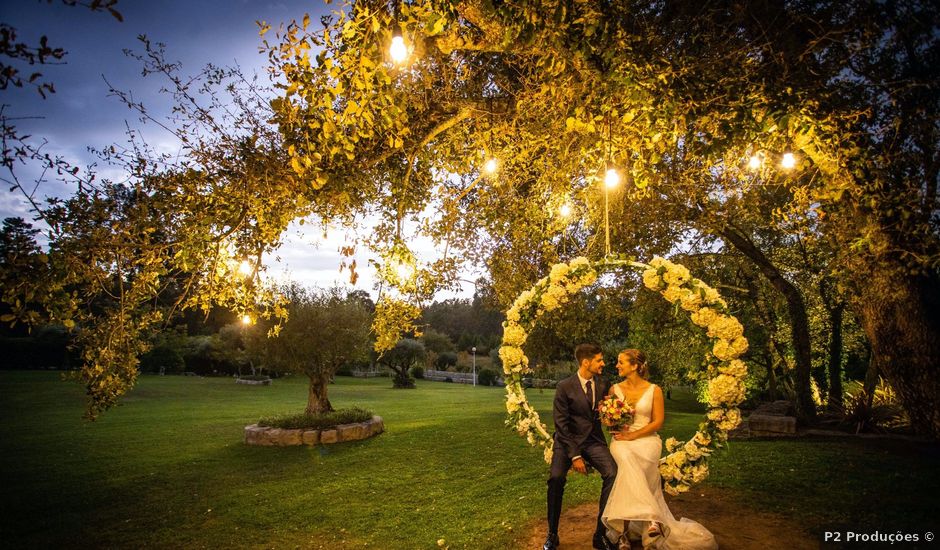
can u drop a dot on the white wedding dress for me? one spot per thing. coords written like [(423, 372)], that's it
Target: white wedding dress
[(637, 496)]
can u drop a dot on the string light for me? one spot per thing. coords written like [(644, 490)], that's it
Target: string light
[(405, 271), (246, 319), (565, 210), (788, 161), (398, 51), (755, 162), (612, 178), (490, 167), (244, 268)]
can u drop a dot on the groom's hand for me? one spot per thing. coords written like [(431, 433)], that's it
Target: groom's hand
[(579, 465)]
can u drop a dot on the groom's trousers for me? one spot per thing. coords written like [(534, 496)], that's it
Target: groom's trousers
[(599, 457)]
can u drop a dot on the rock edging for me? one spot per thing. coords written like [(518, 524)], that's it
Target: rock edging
[(253, 382), (280, 437)]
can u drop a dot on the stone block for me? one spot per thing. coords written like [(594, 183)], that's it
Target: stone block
[(765, 424), (378, 425), (268, 437), (290, 437), (350, 432), (311, 437), (328, 436), (252, 434)]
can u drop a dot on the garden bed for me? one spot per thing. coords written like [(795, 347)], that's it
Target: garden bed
[(281, 437)]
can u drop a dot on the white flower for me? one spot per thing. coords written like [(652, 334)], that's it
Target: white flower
[(672, 444), (523, 426), (513, 401), (678, 457), (658, 261), (725, 327), (692, 301), (512, 315), (713, 298), (579, 261), (735, 368), (724, 389), (523, 299), (587, 278), (676, 274), (548, 454), (558, 272), (510, 356), (731, 421), (673, 293), (704, 316), (728, 350), (652, 280), (513, 335), (692, 451)]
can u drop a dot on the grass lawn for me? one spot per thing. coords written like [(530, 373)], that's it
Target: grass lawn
[(168, 469)]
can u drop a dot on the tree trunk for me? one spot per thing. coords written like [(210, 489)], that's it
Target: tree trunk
[(835, 357), (900, 314), (771, 379), (799, 322), (317, 400)]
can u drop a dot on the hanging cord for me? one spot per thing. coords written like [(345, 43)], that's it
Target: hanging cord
[(606, 193)]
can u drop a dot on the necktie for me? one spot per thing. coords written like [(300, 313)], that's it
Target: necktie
[(590, 394)]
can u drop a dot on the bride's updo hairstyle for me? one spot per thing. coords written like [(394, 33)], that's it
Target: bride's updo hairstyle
[(637, 358)]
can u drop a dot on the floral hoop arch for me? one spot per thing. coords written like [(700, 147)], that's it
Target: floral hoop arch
[(686, 462)]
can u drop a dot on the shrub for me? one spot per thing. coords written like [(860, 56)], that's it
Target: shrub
[(487, 377), (317, 421), (878, 411), (164, 356), (417, 372), (446, 359)]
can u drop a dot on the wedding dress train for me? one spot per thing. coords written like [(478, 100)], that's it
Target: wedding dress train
[(637, 497)]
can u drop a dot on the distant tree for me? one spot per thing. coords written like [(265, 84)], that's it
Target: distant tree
[(437, 342), (324, 331), (406, 353), (21, 264), (446, 359)]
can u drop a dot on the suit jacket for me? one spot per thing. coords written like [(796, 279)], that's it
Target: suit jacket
[(577, 425)]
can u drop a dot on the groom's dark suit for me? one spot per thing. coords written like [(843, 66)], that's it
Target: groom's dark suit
[(578, 432)]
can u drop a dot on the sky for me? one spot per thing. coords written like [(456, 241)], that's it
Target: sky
[(196, 32)]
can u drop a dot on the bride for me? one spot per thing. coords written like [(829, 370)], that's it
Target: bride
[(636, 508)]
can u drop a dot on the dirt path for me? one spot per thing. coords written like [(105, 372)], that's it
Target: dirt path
[(735, 527)]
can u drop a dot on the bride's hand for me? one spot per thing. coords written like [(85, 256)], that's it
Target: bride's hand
[(624, 435)]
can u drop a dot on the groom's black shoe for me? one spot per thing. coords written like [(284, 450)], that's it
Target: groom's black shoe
[(551, 543), (603, 543)]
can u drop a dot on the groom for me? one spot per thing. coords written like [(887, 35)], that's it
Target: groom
[(579, 439)]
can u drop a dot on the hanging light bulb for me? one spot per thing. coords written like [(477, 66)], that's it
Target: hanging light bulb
[(565, 210), (405, 271), (490, 167), (788, 161), (246, 319), (398, 51), (612, 178), (244, 268), (754, 163)]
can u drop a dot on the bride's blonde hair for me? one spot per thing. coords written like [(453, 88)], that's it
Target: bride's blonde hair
[(637, 358)]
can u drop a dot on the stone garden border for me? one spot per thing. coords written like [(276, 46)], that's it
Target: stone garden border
[(253, 382), (279, 437)]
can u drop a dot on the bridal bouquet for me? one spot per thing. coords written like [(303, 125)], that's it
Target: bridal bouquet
[(614, 413)]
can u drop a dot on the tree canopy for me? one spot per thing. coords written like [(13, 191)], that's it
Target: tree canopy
[(813, 118)]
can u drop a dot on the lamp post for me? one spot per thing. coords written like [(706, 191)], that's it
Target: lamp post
[(474, 351)]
